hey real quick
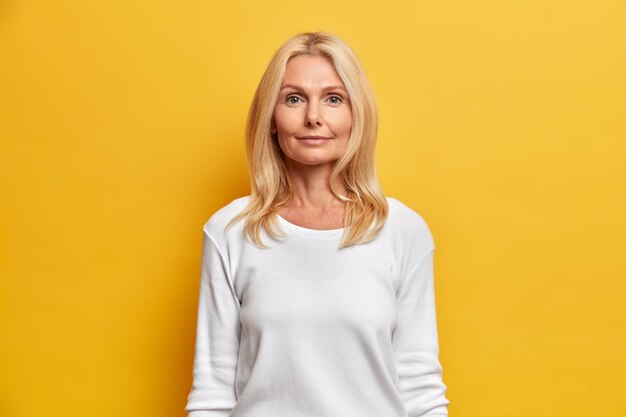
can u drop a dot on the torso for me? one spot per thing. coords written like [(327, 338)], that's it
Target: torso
[(315, 333)]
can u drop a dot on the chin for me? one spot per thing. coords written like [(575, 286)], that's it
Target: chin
[(312, 161)]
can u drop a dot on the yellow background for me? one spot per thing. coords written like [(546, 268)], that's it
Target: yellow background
[(501, 122)]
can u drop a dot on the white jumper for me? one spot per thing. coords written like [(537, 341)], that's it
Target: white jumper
[(305, 329)]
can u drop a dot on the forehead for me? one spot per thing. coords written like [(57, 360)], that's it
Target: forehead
[(310, 69)]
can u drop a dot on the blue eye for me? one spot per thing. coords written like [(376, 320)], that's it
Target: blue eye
[(288, 99), (339, 99)]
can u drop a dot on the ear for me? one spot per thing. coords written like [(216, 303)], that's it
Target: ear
[(272, 127)]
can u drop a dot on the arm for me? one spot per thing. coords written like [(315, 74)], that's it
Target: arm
[(217, 338), (415, 342)]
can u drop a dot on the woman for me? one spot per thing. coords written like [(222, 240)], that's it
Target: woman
[(317, 290)]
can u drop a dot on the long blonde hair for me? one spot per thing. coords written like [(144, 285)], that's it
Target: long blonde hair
[(366, 205)]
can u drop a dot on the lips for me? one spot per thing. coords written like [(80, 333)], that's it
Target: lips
[(313, 137)]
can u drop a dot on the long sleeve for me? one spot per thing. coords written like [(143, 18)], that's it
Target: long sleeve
[(217, 338), (415, 341)]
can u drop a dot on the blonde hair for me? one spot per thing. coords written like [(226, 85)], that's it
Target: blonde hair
[(366, 205)]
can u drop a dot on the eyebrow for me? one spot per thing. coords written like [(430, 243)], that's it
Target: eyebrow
[(330, 87)]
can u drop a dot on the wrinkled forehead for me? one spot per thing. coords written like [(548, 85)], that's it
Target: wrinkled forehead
[(312, 71)]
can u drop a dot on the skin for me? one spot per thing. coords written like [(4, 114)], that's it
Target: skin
[(307, 106)]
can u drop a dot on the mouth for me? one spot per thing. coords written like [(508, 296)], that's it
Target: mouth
[(313, 138)]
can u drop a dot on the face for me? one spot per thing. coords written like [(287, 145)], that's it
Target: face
[(313, 102)]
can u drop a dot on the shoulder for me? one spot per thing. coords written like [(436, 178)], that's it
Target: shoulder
[(409, 226), (215, 226)]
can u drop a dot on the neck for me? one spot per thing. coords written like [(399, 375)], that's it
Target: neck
[(311, 185)]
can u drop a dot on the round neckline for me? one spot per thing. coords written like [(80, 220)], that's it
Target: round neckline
[(306, 232)]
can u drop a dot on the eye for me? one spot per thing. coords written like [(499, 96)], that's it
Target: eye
[(290, 101), (335, 99)]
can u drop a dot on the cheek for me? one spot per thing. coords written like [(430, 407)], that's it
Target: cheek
[(286, 120), (342, 122)]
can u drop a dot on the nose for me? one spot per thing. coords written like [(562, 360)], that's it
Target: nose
[(312, 115)]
